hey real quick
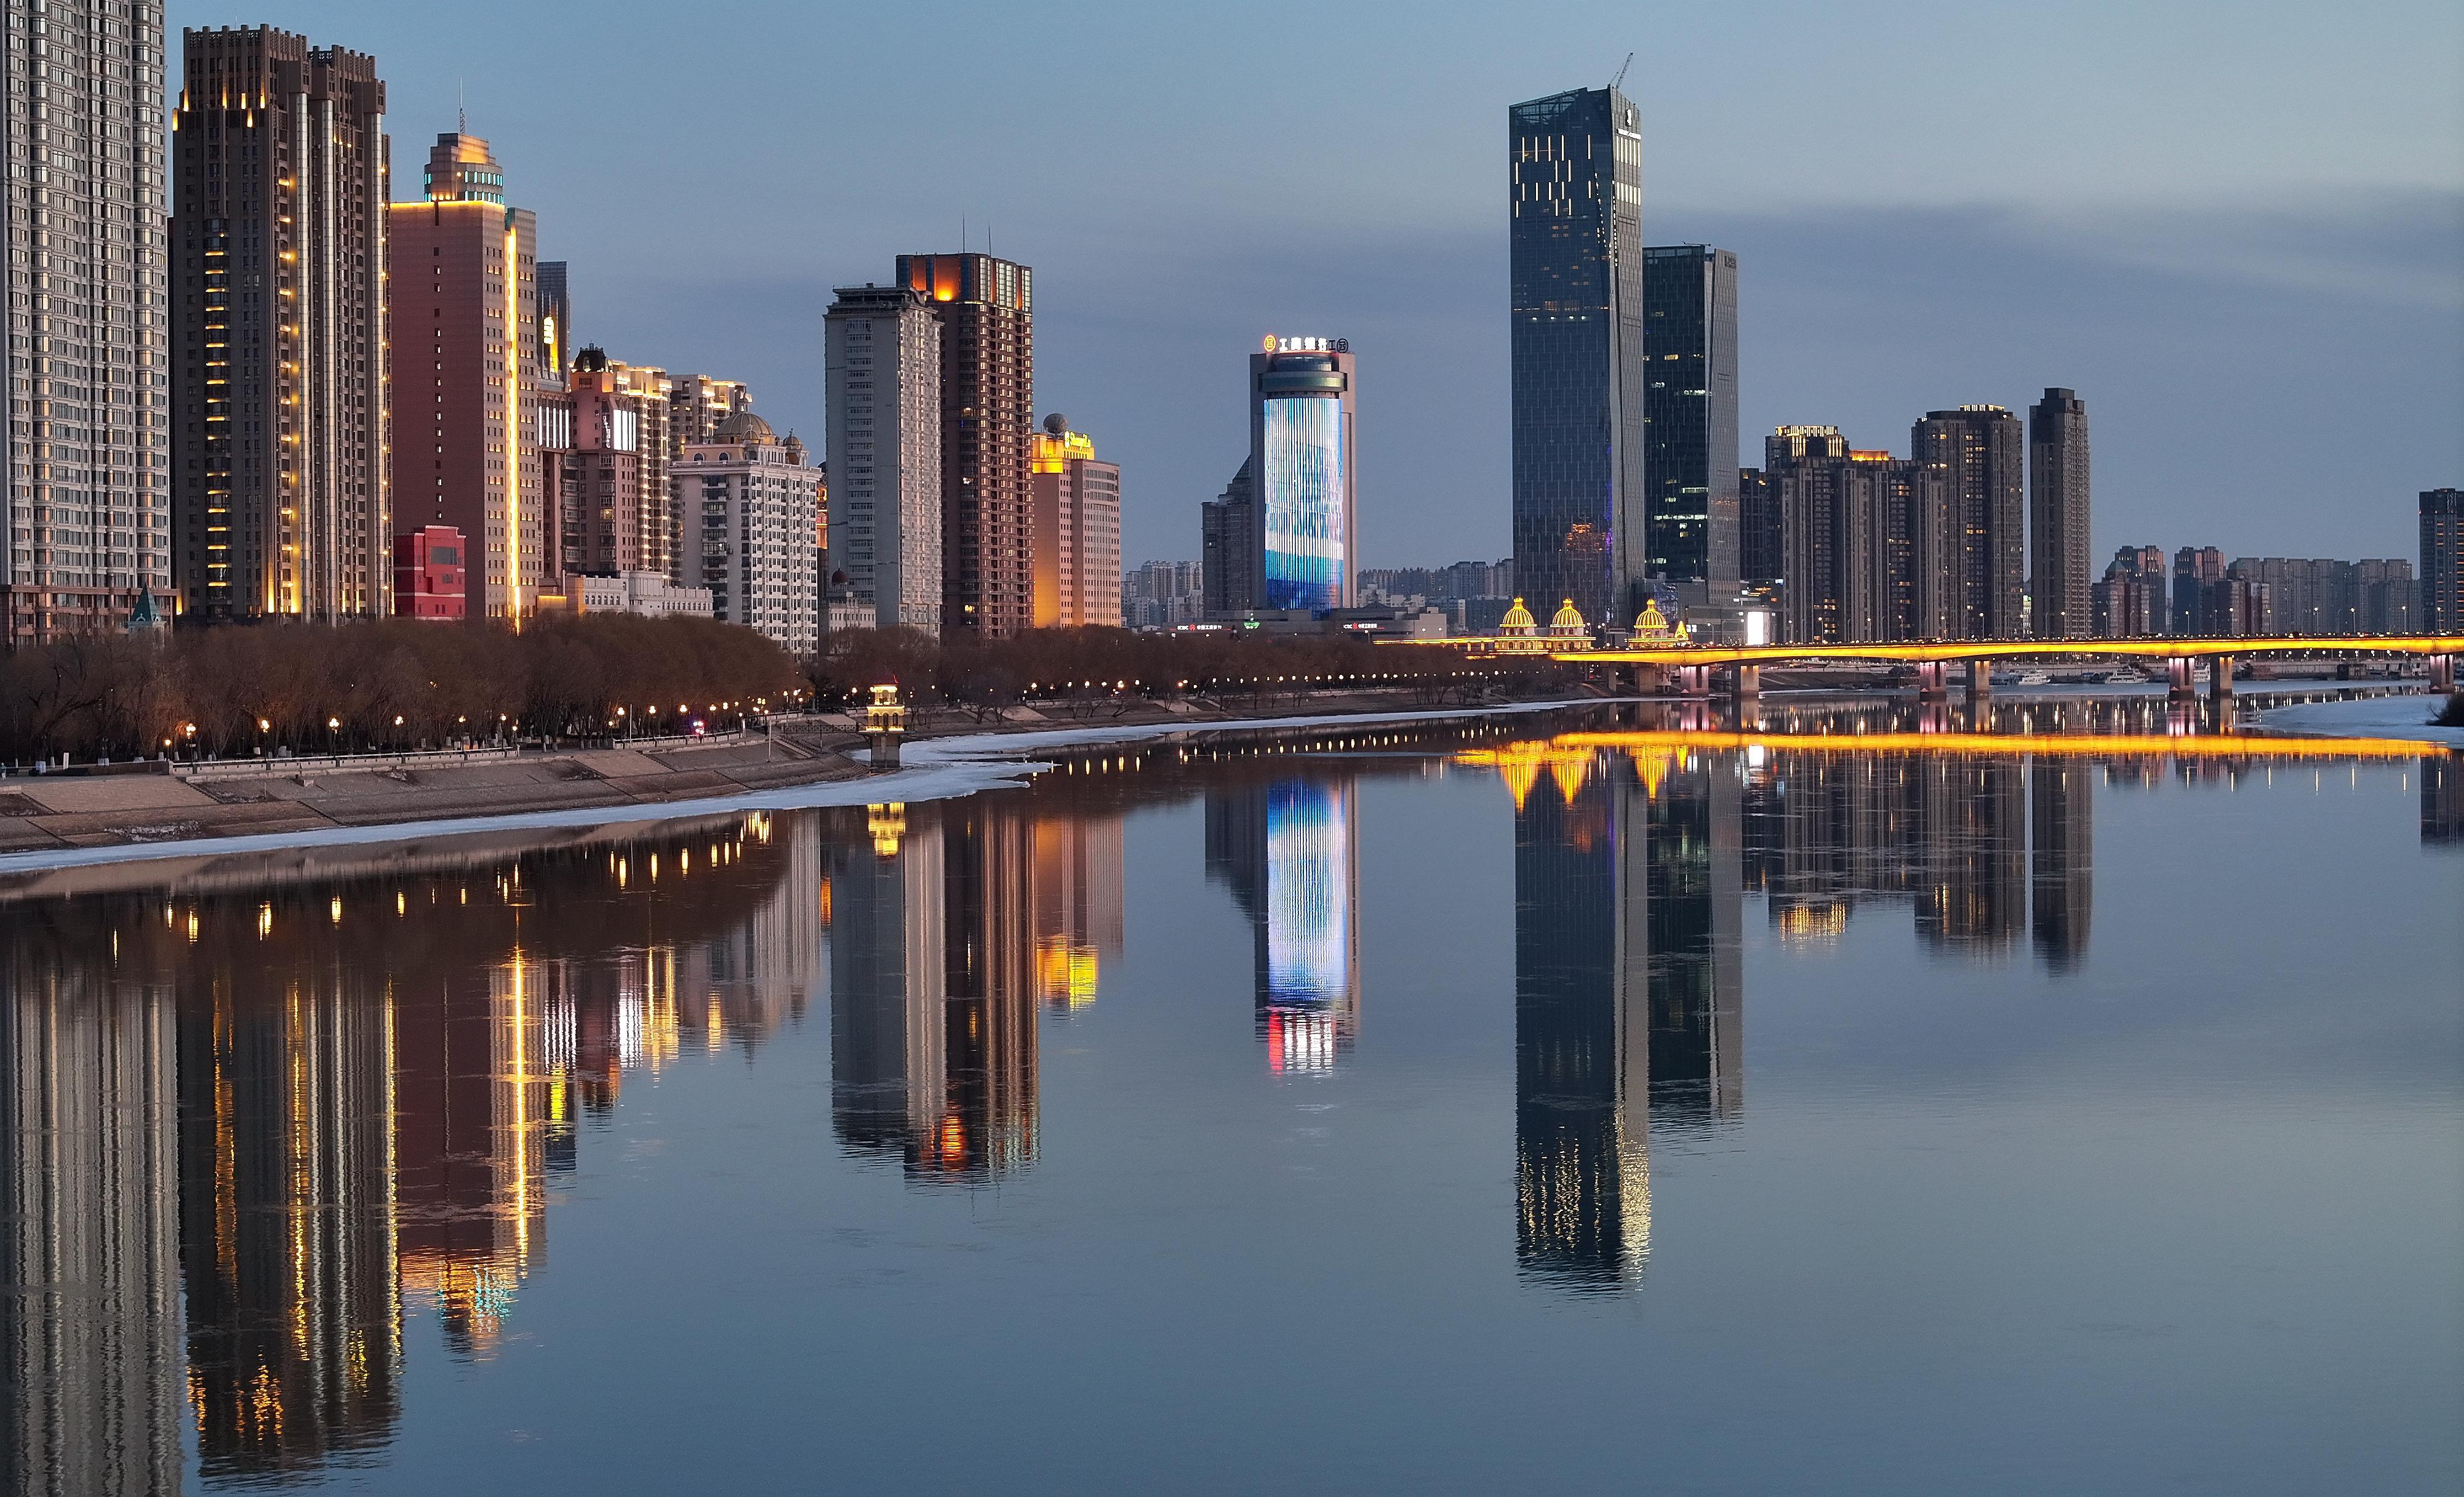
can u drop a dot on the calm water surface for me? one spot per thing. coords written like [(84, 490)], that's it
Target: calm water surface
[(1636, 1108)]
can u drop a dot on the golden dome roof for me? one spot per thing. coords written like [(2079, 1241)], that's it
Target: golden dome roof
[(1518, 617), (1568, 618)]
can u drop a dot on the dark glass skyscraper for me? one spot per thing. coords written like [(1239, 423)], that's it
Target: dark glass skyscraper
[(1577, 253), (1689, 406)]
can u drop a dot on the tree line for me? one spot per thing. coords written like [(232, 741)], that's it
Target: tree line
[(380, 685)]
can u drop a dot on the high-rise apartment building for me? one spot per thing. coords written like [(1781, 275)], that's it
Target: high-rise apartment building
[(1228, 564), (2194, 568), (986, 311), (1869, 543), (1758, 529), (280, 503), (604, 449), (884, 353), (1077, 531), (2057, 517), (749, 503), (88, 512), (1575, 247), (1689, 405), (2442, 561), (466, 374), (2131, 601), (1978, 449), (1304, 533)]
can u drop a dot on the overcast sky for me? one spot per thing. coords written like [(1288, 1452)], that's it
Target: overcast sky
[(2237, 229)]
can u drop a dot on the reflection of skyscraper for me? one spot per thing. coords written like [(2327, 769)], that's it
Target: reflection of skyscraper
[(1974, 820), (1694, 904), (286, 1222), (1581, 1038), (2442, 800), (887, 985), (1289, 852), (2062, 805), (90, 1315), (1078, 904), (988, 1123)]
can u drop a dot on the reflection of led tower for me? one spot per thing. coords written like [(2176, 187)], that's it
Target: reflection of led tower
[(89, 1362), (286, 1222), (1291, 853), (1581, 1129), (1301, 394)]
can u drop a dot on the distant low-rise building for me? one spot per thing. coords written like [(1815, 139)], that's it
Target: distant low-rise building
[(429, 574), (647, 593)]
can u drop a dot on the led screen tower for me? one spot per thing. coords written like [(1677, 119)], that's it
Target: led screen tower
[(1301, 453), (1576, 254)]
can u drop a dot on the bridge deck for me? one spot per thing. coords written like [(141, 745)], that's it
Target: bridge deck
[(1911, 653)]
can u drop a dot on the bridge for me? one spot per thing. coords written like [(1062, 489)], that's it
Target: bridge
[(1695, 670)]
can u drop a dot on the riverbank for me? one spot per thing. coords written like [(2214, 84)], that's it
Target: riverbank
[(69, 821)]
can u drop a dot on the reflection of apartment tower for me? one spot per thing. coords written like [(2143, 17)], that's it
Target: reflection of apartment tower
[(1980, 452), (1582, 1041), (1974, 831), (88, 507), (286, 1222), (887, 985), (986, 309), (2061, 814), (2442, 801), (1229, 567), (759, 974), (470, 1144), (1079, 889), (90, 1395), (1694, 896), (884, 350), (988, 1125), (2058, 518), (1077, 531), (464, 369), (280, 501)]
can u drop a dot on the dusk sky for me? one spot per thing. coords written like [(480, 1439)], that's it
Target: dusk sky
[(2237, 229)]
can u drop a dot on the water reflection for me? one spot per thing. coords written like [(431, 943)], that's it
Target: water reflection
[(332, 1106)]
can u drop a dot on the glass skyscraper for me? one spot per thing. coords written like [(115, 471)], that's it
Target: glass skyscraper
[(1576, 238), (1689, 298)]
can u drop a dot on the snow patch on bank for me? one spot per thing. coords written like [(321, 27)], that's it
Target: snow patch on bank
[(2367, 717)]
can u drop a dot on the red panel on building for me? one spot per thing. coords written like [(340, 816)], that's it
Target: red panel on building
[(427, 573)]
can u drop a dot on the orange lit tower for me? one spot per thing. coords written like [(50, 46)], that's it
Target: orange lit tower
[(464, 372)]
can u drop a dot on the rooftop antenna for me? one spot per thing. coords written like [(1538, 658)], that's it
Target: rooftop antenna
[(461, 114), (1620, 78)]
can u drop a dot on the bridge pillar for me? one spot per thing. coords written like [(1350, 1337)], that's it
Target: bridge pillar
[(2220, 688), (2178, 684), (1694, 680), (1932, 686), (1980, 678), (1748, 682), (2442, 673)]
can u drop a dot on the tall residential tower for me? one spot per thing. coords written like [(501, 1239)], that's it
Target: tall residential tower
[(986, 309), (89, 438), (883, 354), (1577, 253), (1978, 449), (466, 362), (2057, 517)]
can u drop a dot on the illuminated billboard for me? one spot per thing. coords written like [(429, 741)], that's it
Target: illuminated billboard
[(1305, 490), (1308, 894)]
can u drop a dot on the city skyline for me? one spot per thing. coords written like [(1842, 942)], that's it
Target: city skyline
[(2154, 315)]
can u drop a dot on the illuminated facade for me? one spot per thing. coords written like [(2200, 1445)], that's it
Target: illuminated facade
[(88, 512), (604, 461), (750, 514), (466, 374), (2057, 517), (1690, 421), (2442, 562), (90, 1393), (1077, 531), (1303, 536), (1575, 248), (986, 311), (1980, 452), (884, 353), (280, 504)]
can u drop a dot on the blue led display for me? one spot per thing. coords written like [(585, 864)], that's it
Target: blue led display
[(1305, 546)]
